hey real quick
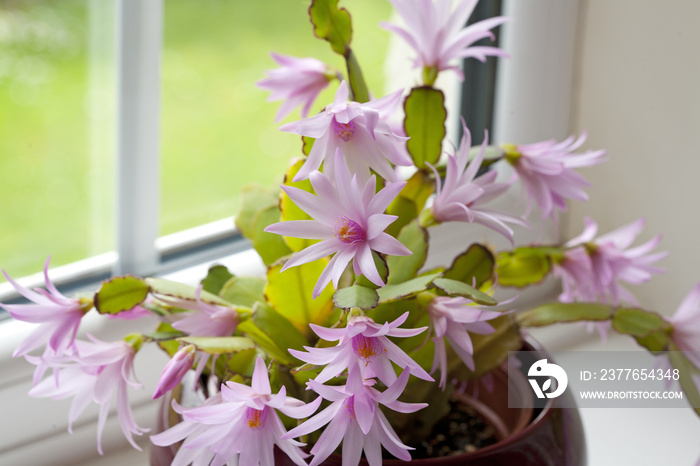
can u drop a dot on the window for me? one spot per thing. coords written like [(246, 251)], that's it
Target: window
[(218, 134), (126, 127), (56, 132)]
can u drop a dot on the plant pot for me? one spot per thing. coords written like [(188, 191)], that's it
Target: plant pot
[(547, 436), (552, 436)]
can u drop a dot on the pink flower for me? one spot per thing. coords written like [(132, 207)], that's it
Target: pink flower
[(438, 35), (95, 372), (686, 326), (207, 320), (453, 319), (596, 275), (459, 198), (358, 131), (175, 370), (363, 344), (547, 171), (576, 273), (355, 418), (240, 424), (348, 219), (299, 81), (59, 317), (685, 335)]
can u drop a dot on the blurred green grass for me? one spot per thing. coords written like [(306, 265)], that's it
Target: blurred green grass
[(217, 131)]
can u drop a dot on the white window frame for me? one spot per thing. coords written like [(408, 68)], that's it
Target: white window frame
[(139, 32)]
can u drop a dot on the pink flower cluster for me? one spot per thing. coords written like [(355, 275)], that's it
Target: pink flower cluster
[(460, 197), (239, 425), (686, 327), (354, 417), (298, 81), (58, 317), (366, 352), (205, 320), (93, 372), (546, 170), (593, 268), (349, 220), (359, 131), (451, 320), (436, 32)]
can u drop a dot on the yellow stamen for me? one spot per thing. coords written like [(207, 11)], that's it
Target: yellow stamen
[(255, 418)]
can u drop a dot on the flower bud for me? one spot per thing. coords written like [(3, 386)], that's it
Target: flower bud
[(175, 370)]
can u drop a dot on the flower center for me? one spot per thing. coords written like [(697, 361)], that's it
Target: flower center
[(350, 406), (343, 130), (349, 231), (366, 347), (511, 153), (255, 418), (591, 248)]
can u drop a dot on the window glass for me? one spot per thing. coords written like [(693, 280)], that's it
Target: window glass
[(218, 132), (56, 131)]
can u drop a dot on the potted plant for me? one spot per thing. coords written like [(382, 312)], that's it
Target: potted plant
[(350, 344)]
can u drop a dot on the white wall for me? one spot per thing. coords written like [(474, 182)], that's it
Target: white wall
[(637, 92)]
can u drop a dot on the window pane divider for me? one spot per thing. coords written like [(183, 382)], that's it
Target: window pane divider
[(139, 41)]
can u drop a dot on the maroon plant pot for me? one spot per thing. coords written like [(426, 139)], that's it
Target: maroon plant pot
[(548, 436)]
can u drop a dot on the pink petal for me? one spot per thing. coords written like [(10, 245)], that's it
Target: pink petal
[(387, 244), (312, 205), (395, 390), (314, 252), (336, 367), (300, 412), (315, 423), (313, 127), (377, 223), (331, 437), (364, 262), (330, 393), (261, 381), (373, 448), (402, 407), (385, 197), (364, 412), (352, 445), (391, 441), (307, 229), (333, 271)]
